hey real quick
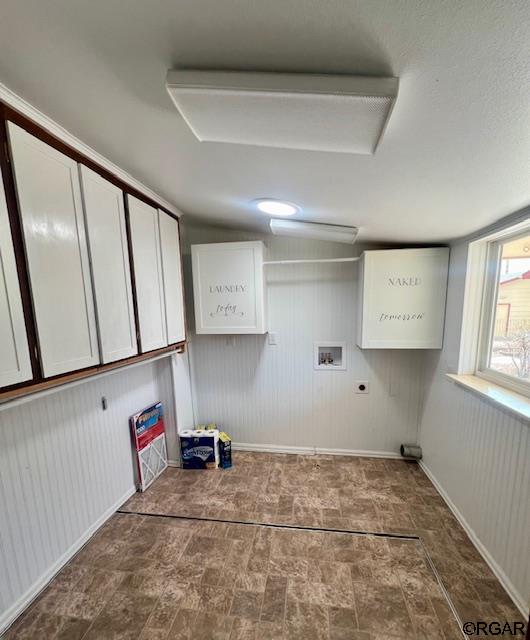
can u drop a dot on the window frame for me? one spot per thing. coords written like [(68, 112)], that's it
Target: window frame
[(490, 287)]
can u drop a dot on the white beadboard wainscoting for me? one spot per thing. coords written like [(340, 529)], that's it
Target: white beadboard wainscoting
[(478, 456), (270, 397), (65, 466)]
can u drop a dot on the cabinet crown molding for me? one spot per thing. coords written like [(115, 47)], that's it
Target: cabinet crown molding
[(11, 99)]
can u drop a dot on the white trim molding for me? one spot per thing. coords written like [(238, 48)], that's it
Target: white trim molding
[(25, 108), (312, 451), (9, 616), (517, 597), (472, 312), (504, 398), (474, 295)]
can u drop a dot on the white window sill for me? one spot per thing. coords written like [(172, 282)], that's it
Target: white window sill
[(510, 400)]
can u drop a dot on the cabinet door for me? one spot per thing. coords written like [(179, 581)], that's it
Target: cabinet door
[(145, 238), (403, 298), (15, 364), (49, 199), (228, 287), (109, 258), (172, 274)]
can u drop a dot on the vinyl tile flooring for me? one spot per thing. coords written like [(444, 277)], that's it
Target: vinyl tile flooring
[(147, 576), (155, 578)]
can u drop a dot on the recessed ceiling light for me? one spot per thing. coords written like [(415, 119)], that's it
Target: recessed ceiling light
[(276, 207)]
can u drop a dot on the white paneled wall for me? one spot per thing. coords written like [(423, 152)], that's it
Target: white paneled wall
[(66, 465), (183, 402), (479, 457), (271, 395)]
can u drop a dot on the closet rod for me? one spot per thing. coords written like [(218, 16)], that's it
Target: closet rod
[(311, 261)]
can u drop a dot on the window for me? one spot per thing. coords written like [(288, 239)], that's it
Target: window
[(504, 346)]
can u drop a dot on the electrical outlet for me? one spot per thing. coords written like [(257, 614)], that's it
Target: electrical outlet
[(273, 338), (362, 386)]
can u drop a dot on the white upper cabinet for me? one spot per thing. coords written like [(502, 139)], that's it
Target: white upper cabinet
[(15, 364), (145, 237), (228, 287), (172, 274), (50, 205), (109, 257), (401, 299)]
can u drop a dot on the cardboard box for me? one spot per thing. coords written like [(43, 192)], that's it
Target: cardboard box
[(199, 449), (225, 450)]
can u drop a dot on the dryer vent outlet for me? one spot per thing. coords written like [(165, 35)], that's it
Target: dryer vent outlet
[(411, 451)]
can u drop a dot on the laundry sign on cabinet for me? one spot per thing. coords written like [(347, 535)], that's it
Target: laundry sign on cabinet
[(228, 287), (401, 301)]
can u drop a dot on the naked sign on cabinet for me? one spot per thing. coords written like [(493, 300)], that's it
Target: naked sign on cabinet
[(401, 298)]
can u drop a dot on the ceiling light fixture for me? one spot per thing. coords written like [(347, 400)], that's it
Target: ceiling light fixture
[(276, 207), (314, 231), (339, 113)]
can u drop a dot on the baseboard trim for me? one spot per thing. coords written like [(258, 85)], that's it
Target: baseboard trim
[(517, 598), (14, 611), (311, 451)]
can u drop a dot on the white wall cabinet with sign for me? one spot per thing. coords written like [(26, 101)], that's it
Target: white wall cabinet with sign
[(15, 364), (228, 287), (109, 257), (172, 277), (401, 302), (49, 198), (145, 238)]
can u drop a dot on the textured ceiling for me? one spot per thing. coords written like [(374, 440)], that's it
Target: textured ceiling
[(455, 157)]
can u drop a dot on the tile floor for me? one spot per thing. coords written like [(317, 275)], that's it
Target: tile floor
[(148, 577), (156, 578), (339, 492)]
